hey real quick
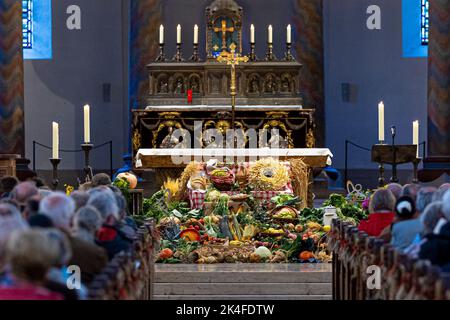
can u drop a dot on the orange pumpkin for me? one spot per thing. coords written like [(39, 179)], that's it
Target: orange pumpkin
[(190, 234), (306, 255), (165, 254), (131, 178)]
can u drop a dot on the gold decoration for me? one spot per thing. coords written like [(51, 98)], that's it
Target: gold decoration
[(136, 140), (268, 175), (278, 124), (277, 114), (169, 115), (165, 124), (310, 140), (224, 30)]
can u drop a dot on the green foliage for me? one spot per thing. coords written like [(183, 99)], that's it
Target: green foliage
[(346, 209), (311, 214)]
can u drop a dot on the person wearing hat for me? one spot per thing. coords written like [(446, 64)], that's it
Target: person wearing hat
[(406, 225)]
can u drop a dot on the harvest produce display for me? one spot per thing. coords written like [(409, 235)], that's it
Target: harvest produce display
[(226, 213)]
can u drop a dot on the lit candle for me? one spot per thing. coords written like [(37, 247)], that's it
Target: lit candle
[(161, 34), (252, 34), (269, 34), (55, 141), (196, 34), (288, 34), (416, 135), (381, 121), (178, 34), (87, 124)]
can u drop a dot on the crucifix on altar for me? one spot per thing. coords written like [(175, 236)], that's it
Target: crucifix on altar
[(224, 30)]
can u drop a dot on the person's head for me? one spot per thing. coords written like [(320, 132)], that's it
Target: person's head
[(40, 221), (80, 198), (439, 194), (105, 202), (446, 205), (89, 219), (430, 217), (101, 179), (29, 254), (7, 184), (59, 208), (405, 208), (38, 182), (10, 221), (382, 200), (24, 191), (86, 186), (31, 207), (424, 198), (59, 247), (121, 201), (395, 188), (410, 190), (44, 193)]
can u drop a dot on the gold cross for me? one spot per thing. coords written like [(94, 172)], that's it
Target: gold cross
[(224, 29)]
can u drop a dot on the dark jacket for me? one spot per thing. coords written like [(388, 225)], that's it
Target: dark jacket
[(437, 247), (112, 240)]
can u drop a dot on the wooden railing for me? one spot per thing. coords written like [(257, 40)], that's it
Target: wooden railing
[(367, 268), (130, 274)]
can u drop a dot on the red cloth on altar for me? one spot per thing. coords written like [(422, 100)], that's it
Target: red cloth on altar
[(376, 222)]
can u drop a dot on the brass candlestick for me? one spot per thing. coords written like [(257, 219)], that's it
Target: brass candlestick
[(161, 57), (55, 162), (381, 180), (87, 147), (270, 56), (178, 55), (288, 55), (252, 56), (195, 57)]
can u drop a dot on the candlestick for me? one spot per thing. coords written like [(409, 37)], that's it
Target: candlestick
[(252, 34), (178, 34), (87, 124), (416, 135), (161, 57), (178, 57), (252, 55), (269, 34), (55, 140), (381, 122), (288, 55), (288, 34), (87, 147), (196, 34), (195, 56), (161, 34), (55, 181), (270, 56)]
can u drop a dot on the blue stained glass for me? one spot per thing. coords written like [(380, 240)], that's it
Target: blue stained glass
[(27, 23), (424, 22)]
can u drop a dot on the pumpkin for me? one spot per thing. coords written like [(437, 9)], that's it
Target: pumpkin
[(165, 254), (131, 178), (190, 234), (306, 255), (299, 228)]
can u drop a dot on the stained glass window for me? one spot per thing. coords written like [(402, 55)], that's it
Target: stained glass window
[(27, 23), (424, 21)]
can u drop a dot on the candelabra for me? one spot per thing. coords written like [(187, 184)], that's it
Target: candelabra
[(381, 180), (178, 55), (87, 147), (288, 55), (55, 162), (161, 57), (252, 55), (270, 56), (195, 57)]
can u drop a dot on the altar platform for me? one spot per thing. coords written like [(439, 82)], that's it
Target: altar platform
[(239, 281)]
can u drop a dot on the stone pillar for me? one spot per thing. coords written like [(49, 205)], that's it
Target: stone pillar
[(11, 78), (439, 80)]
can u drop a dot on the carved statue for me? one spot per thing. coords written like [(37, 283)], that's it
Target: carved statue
[(169, 141), (179, 87), (195, 85), (254, 85), (270, 85), (163, 86), (285, 85)]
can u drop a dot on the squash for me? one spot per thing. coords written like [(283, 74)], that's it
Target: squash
[(131, 178), (165, 254), (190, 234), (306, 255)]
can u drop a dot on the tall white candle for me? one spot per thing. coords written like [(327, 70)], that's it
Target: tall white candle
[(288, 34), (55, 140), (178, 34), (269, 34), (381, 121), (87, 124), (161, 34), (252, 34), (196, 34), (416, 135)]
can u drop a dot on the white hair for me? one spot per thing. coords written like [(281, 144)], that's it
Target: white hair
[(10, 221), (105, 202), (59, 208), (446, 205)]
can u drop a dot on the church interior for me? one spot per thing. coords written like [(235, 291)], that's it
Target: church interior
[(224, 150)]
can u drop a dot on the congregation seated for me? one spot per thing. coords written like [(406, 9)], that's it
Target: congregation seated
[(381, 213), (86, 230), (406, 225)]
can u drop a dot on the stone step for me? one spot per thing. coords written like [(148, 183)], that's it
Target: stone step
[(266, 288), (243, 297)]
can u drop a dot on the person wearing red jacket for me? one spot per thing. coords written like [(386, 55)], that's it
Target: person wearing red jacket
[(381, 213)]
